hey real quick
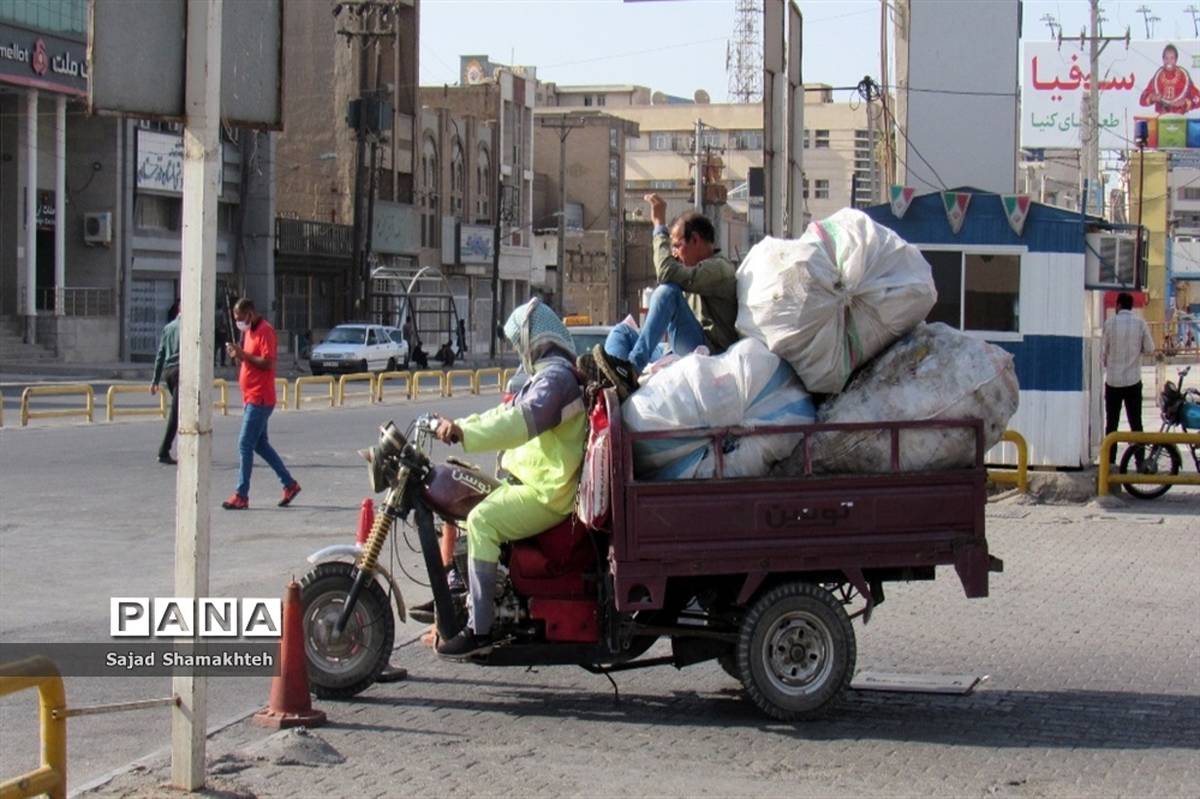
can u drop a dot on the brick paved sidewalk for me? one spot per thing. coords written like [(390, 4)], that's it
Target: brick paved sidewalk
[(1090, 641)]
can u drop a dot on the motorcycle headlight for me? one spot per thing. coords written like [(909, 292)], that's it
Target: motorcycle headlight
[(381, 458)]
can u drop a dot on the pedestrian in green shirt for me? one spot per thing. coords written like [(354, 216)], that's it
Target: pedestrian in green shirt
[(166, 370)]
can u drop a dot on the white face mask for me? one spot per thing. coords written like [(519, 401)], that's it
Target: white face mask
[(243, 326)]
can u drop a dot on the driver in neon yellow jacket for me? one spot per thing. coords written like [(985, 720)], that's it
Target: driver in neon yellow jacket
[(542, 430)]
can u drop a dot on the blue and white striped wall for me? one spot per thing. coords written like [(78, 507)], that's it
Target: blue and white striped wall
[(1052, 349)]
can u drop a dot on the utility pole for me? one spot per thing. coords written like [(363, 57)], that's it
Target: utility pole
[(564, 127), (370, 114), (1089, 133), (1147, 16), (499, 206), (698, 194), (1195, 12)]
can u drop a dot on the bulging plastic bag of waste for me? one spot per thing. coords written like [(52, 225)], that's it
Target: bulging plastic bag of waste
[(746, 386), (935, 372), (833, 299)]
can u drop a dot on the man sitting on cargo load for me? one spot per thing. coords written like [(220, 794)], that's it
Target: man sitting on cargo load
[(695, 303)]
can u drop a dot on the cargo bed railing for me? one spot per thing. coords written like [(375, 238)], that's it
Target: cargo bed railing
[(718, 435)]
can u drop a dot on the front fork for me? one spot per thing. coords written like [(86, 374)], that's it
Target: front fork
[(447, 618)]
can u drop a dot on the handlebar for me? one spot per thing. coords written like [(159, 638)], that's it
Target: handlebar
[(429, 422)]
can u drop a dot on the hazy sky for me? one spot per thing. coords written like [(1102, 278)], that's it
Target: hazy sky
[(675, 46), (678, 46)]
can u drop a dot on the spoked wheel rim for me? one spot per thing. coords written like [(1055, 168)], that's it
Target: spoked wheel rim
[(337, 654), (797, 653)]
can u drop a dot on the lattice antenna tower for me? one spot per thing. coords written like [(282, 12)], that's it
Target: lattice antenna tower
[(743, 56)]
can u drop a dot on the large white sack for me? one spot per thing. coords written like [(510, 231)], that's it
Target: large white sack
[(831, 300), (746, 386), (935, 372)]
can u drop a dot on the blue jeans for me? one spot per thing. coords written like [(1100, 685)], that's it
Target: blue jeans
[(252, 439), (668, 313)]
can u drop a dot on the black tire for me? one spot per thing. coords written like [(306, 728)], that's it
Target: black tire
[(391, 365), (1155, 461), (795, 651), (343, 668), (728, 663), (317, 371)]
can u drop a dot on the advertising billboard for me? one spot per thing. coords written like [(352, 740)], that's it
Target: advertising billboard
[(1153, 80)]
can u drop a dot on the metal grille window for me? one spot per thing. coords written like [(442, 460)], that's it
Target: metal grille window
[(483, 185), (821, 139), (155, 213), (821, 189)]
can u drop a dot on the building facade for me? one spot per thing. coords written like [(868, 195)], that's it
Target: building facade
[(591, 146), (327, 180), (476, 168), (91, 206)]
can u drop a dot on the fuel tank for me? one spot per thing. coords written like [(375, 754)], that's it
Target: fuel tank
[(455, 488)]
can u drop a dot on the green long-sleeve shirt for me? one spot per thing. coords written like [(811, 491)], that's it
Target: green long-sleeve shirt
[(711, 289), (168, 350)]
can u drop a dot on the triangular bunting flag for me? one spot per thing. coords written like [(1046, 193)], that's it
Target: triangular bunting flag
[(1016, 207), (956, 208), (901, 199)]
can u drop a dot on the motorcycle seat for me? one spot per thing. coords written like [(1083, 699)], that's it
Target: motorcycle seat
[(553, 563)]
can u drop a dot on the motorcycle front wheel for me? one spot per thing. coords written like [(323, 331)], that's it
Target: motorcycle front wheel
[(1158, 459), (341, 666)]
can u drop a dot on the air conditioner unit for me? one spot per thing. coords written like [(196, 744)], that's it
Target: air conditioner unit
[(97, 228), (1110, 262)]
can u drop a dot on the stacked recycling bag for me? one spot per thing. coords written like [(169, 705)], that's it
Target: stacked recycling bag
[(935, 372), (746, 386), (838, 312), (833, 299)]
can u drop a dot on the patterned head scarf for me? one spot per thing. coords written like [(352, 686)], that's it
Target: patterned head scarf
[(534, 329)]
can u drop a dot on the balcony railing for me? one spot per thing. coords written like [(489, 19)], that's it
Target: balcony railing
[(77, 301), (304, 237)]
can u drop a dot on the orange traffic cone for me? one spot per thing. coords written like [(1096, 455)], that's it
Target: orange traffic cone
[(366, 520), (290, 704)]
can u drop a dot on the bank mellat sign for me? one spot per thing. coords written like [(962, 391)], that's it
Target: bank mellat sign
[(42, 61), (1158, 81)]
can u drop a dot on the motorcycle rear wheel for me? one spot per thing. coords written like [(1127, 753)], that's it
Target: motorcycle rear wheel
[(342, 666), (1158, 459)]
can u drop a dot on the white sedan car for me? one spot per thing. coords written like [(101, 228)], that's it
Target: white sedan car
[(359, 348)]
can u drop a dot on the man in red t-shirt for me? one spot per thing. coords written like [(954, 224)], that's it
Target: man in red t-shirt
[(256, 354)]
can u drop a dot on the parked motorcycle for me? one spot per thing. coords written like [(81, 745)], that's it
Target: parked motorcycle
[(1179, 408)]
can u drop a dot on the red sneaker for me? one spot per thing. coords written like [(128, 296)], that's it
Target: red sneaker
[(289, 494), (236, 502)]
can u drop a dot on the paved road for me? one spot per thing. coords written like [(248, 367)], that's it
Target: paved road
[(87, 513), (1090, 641)]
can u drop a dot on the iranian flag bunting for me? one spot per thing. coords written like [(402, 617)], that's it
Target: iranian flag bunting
[(956, 208), (901, 197), (1016, 208)]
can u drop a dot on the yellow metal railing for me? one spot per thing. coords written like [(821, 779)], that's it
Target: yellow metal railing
[(222, 385), (1019, 476), (1107, 478), (314, 380), (472, 384), (386, 376), (356, 377), (488, 371), (66, 389), (281, 393), (505, 376), (417, 377), (51, 777), (110, 402)]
